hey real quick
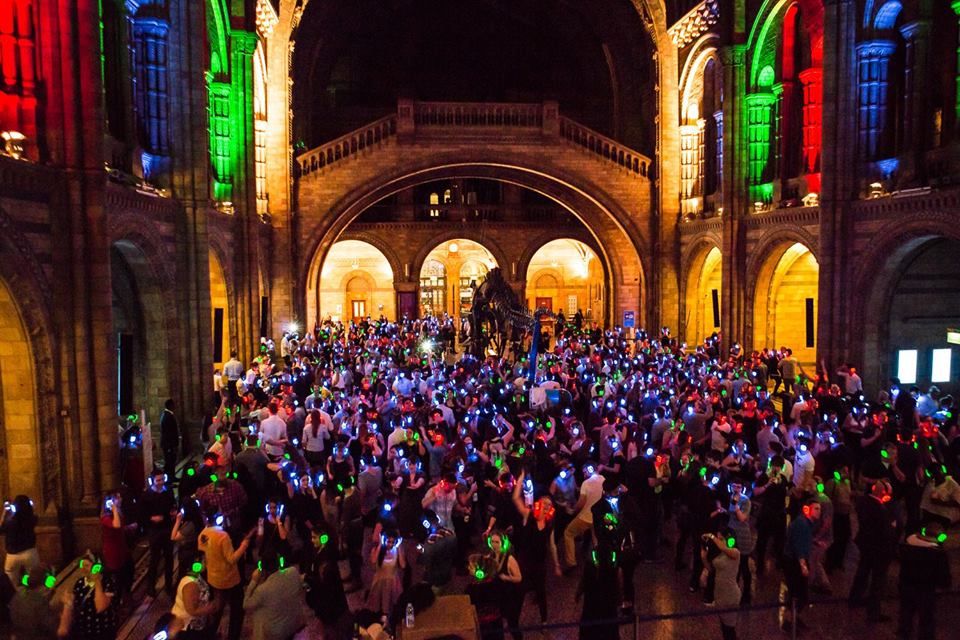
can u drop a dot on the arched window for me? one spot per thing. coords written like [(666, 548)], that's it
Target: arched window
[(18, 64), (260, 124), (701, 133)]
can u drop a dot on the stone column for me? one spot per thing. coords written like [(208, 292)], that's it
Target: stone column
[(839, 187), (733, 319), (916, 128)]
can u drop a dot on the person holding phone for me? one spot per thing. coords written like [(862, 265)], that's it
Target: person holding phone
[(90, 608)]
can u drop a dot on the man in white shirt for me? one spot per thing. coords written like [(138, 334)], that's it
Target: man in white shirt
[(273, 432), (403, 385), (590, 492)]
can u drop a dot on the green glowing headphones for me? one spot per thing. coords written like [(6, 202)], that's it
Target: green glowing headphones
[(941, 537), (505, 542), (49, 581)]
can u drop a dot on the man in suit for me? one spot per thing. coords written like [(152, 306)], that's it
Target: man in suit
[(877, 541), (169, 438)]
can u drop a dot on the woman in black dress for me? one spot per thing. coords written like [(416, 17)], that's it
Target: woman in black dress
[(535, 541), (507, 576)]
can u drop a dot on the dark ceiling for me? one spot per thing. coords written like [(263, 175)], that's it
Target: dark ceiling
[(354, 58)]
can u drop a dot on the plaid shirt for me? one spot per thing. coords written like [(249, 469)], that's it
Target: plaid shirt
[(225, 496)]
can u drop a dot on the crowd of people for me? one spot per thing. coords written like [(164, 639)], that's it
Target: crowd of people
[(378, 444)]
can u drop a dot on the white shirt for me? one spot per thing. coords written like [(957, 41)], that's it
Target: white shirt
[(591, 490), (315, 444), (803, 467), (273, 428), (233, 369)]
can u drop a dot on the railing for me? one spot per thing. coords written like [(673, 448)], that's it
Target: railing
[(487, 114), (603, 146), (470, 119), (348, 145)]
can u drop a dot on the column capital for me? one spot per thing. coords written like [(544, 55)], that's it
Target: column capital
[(876, 49), (245, 42), (916, 29)]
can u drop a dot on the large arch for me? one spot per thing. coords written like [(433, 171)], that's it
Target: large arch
[(356, 281), (785, 300), (142, 311), (702, 294), (623, 245), (879, 276)]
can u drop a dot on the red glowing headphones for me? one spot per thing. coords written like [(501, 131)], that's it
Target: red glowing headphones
[(539, 510)]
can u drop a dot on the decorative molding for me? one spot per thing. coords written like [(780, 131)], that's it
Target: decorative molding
[(267, 18), (698, 21), (793, 215)]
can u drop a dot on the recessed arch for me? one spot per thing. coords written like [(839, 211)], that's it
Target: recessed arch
[(140, 327), (356, 281), (785, 300), (881, 278), (622, 244), (220, 308), (566, 274), (19, 411), (448, 271), (703, 293)]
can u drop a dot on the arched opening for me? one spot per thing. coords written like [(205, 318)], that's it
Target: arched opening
[(356, 282), (19, 455), (566, 275), (530, 200), (143, 381), (785, 304), (702, 316), (912, 305), (219, 312), (449, 274)]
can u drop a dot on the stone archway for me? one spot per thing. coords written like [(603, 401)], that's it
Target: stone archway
[(880, 279), (220, 309), (350, 264), (785, 293), (702, 292), (143, 315), (615, 232)]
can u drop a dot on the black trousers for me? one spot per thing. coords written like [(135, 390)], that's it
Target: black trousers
[(233, 598), (841, 538), (767, 531), (796, 586), (919, 603), (872, 572), (170, 461), (160, 544)]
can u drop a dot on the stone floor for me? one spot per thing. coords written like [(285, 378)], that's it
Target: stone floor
[(663, 592)]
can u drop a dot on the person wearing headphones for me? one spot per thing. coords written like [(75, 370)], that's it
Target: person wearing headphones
[(924, 568), (157, 509), (796, 562), (877, 542)]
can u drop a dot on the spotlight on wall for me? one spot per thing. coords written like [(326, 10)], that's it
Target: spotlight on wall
[(759, 206), (877, 190), (453, 247), (13, 144), (293, 327), (226, 207)]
